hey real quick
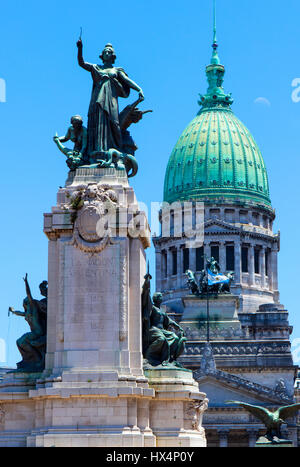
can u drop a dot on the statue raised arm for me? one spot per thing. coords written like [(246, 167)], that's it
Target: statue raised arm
[(32, 345), (109, 83), (28, 291)]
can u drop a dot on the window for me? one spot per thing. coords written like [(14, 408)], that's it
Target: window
[(245, 259), (267, 262), (243, 217), (200, 258), (174, 262), (256, 261), (186, 259), (215, 252), (165, 264), (230, 258), (229, 215)]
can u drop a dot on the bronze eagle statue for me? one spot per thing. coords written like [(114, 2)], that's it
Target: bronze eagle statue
[(272, 420)]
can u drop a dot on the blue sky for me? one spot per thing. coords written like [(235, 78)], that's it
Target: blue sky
[(164, 46)]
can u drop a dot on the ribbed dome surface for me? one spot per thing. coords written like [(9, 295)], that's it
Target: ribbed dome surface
[(216, 157)]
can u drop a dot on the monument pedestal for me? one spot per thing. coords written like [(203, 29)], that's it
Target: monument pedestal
[(223, 316), (95, 385), (93, 391), (177, 409)]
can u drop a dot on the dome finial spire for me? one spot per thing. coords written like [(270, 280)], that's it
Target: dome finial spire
[(215, 58), (215, 22), (215, 96)]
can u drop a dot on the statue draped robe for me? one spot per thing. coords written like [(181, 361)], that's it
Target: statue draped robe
[(160, 346), (103, 117)]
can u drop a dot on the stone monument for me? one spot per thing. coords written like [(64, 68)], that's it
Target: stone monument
[(91, 388)]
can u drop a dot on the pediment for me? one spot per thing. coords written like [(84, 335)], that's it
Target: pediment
[(219, 392), (216, 225), (222, 386)]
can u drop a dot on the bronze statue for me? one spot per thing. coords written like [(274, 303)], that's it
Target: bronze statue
[(213, 265), (161, 346), (32, 345), (106, 142), (225, 287), (272, 420), (109, 83), (192, 283), (77, 133), (210, 281), (131, 114)]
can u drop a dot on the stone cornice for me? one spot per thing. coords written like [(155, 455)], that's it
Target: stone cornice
[(238, 348), (231, 229)]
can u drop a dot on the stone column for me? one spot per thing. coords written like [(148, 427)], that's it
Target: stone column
[(222, 254), (274, 268), (262, 267), (237, 262), (270, 270), (223, 438), (199, 220), (251, 265), (259, 220), (253, 436)]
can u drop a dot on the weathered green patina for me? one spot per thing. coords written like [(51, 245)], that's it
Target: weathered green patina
[(106, 142), (77, 133), (271, 420), (32, 345), (161, 345), (216, 157)]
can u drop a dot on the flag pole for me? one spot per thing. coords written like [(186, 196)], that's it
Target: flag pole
[(207, 305)]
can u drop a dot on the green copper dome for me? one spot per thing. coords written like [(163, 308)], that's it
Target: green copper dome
[(216, 157)]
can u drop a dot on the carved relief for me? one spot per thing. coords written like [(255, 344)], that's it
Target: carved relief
[(194, 413), (91, 204)]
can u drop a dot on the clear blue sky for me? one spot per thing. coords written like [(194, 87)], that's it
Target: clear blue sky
[(164, 46)]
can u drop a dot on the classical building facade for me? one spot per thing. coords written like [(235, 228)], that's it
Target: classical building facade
[(217, 175)]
